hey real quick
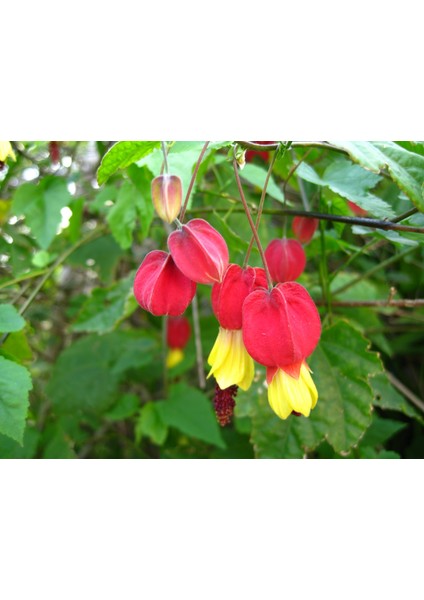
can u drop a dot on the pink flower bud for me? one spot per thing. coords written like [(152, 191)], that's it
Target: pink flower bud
[(304, 228), (166, 195), (286, 259), (199, 251), (160, 287), (281, 327)]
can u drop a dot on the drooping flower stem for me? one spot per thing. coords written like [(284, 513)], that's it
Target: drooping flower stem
[(252, 225), (260, 208), (165, 158), (198, 343), (193, 179)]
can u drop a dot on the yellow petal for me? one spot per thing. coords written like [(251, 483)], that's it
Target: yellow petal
[(230, 362), (286, 393), (5, 151), (175, 356)]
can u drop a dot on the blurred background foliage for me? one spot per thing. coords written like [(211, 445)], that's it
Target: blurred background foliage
[(82, 366)]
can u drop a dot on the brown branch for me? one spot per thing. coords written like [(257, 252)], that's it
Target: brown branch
[(405, 302)]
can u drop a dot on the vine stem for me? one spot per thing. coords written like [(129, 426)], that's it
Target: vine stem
[(193, 179), (165, 157), (252, 225), (260, 209)]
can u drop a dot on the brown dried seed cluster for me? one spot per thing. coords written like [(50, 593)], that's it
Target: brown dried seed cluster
[(224, 403)]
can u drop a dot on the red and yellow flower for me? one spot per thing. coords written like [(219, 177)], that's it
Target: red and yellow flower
[(281, 328), (178, 333), (230, 362)]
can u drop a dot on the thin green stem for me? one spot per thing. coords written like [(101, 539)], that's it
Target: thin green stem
[(251, 223), (23, 278), (260, 208), (193, 179)]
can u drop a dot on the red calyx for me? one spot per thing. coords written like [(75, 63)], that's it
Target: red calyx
[(178, 332), (228, 296), (199, 251), (160, 287), (304, 228), (286, 259), (281, 327)]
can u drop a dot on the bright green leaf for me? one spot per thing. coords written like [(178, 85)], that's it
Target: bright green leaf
[(121, 155), (406, 168), (151, 424), (15, 384), (11, 449), (190, 411), (10, 319), (41, 205)]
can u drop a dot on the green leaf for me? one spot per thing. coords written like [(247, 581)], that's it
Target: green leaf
[(341, 365), (15, 384), (142, 180), (11, 449), (121, 155), (41, 205), (105, 308), (102, 254), (122, 216), (59, 444), (371, 453), (75, 222), (351, 182), (190, 411), (150, 424), (10, 319), (380, 431), (405, 168), (127, 406), (82, 377), (16, 348), (387, 397), (255, 175), (87, 373)]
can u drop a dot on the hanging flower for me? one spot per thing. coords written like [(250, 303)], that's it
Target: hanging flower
[(160, 287), (199, 251), (229, 359), (304, 228), (167, 195), (54, 151), (178, 332), (281, 328), (286, 259)]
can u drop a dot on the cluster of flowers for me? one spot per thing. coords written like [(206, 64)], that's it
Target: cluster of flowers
[(279, 327)]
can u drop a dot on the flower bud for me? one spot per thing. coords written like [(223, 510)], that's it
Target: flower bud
[(160, 287), (199, 251), (281, 327), (166, 195), (304, 228), (228, 297), (286, 259), (178, 332)]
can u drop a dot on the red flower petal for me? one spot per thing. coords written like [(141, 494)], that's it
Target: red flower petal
[(160, 287), (281, 327), (199, 251), (286, 259), (304, 228), (228, 297), (178, 332)]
